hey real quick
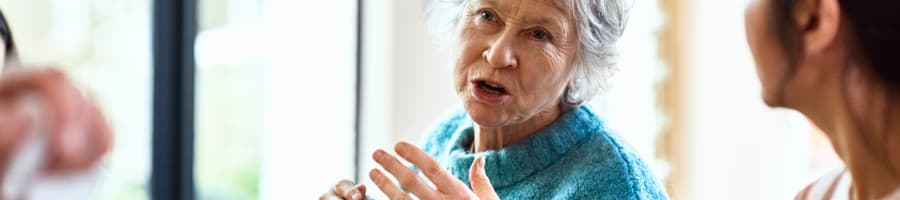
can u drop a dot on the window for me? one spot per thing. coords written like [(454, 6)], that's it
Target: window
[(105, 46), (276, 97)]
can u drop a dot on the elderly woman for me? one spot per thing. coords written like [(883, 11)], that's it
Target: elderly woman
[(836, 62), (524, 69)]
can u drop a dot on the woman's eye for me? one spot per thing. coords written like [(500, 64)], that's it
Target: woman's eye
[(487, 15), (541, 35)]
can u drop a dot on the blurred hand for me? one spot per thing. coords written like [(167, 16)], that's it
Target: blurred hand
[(78, 134), (344, 189), (446, 185)]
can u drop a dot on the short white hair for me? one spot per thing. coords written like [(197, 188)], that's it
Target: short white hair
[(599, 23)]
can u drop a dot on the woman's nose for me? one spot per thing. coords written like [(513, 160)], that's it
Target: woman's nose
[(501, 54)]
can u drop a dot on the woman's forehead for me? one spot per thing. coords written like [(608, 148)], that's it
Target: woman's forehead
[(556, 5), (551, 11)]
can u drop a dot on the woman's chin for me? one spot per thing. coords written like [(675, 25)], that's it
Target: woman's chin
[(772, 99), (484, 115), (487, 122)]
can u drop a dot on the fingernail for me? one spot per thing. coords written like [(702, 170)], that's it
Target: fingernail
[(378, 154), (401, 148), (373, 173)]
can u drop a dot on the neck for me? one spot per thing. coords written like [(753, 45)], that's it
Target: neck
[(859, 120), (496, 138)]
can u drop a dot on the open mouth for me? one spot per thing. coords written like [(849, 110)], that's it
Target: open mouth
[(491, 88)]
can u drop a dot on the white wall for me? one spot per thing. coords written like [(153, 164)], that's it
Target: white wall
[(307, 141)]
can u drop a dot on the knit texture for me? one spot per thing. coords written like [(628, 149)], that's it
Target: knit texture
[(575, 157)]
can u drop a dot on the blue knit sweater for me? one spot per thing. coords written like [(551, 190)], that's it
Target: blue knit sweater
[(575, 157)]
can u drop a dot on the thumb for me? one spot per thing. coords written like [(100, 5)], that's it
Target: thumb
[(481, 185), (346, 190)]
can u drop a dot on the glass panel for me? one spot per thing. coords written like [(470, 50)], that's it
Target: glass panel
[(275, 96), (229, 107), (104, 45)]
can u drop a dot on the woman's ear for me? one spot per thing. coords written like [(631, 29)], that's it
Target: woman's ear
[(818, 22)]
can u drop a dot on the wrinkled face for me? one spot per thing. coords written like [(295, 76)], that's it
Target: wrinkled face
[(771, 62), (515, 59)]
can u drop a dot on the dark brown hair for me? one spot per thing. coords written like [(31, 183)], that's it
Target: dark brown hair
[(6, 35), (875, 25)]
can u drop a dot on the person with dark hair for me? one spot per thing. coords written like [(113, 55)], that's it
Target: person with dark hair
[(44, 101), (9, 55), (836, 62)]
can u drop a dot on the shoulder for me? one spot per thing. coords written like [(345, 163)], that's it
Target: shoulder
[(606, 149), (834, 185), (613, 167)]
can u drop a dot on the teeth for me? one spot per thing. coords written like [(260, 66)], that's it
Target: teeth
[(492, 85), (491, 89)]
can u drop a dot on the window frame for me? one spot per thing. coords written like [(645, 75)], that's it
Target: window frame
[(174, 31)]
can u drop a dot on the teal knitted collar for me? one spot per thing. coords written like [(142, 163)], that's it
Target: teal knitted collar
[(516, 162)]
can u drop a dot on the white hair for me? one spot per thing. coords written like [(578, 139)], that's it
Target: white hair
[(599, 23)]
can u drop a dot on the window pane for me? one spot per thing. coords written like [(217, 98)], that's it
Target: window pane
[(275, 97), (228, 101), (104, 45)]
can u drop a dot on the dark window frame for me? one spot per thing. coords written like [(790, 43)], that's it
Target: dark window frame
[(174, 31)]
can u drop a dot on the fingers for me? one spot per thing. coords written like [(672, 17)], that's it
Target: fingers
[(78, 133), (346, 190), (330, 195), (481, 185), (13, 127), (343, 187), (404, 175), (28, 80), (72, 146), (58, 95), (100, 135), (430, 167), (362, 190), (75, 125), (388, 187), (59, 103)]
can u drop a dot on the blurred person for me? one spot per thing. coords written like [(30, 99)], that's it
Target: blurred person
[(835, 61), (78, 135), (9, 56), (524, 70)]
